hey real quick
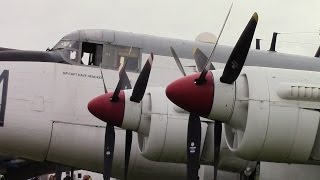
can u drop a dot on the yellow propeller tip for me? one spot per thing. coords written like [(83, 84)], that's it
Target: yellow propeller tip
[(194, 50), (255, 16)]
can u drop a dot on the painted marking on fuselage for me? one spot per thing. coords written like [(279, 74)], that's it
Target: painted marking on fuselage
[(4, 78), (81, 75)]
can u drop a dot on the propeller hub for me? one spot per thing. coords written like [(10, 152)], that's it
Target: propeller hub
[(107, 111), (186, 94)]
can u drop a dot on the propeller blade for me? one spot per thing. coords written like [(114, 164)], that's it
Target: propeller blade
[(126, 85), (123, 75), (202, 77), (317, 53), (127, 153), (126, 82), (193, 146), (142, 81), (176, 58), (217, 143), (108, 151), (108, 144), (201, 60), (239, 53)]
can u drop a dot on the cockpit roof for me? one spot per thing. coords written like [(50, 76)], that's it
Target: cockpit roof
[(106, 36)]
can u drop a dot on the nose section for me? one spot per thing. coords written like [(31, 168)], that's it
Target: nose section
[(190, 96), (107, 111)]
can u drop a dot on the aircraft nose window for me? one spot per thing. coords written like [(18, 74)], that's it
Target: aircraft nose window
[(63, 44), (70, 49), (108, 55)]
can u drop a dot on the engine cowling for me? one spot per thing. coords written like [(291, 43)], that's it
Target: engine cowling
[(162, 135), (270, 114), (275, 115), (162, 128)]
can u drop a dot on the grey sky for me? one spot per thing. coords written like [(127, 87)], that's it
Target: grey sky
[(37, 24)]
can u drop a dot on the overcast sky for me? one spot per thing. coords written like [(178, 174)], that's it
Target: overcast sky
[(38, 24)]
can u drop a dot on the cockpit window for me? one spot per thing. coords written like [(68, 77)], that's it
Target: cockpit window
[(115, 55), (108, 55), (91, 54), (71, 49), (71, 45)]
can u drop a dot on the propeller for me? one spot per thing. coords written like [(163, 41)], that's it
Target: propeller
[(195, 94), (110, 133), (122, 74), (126, 85), (217, 144), (194, 127), (193, 136), (176, 58), (142, 81), (114, 102), (194, 124), (108, 144), (239, 53), (193, 146)]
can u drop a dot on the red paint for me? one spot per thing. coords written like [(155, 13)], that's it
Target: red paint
[(107, 111), (191, 97)]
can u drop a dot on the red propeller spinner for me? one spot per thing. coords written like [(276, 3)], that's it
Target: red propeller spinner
[(108, 111), (186, 94)]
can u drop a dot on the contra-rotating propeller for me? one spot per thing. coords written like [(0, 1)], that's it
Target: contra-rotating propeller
[(108, 144), (123, 83), (194, 93), (194, 125), (110, 108)]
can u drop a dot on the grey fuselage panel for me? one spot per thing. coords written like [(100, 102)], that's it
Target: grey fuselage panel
[(184, 48), (161, 46)]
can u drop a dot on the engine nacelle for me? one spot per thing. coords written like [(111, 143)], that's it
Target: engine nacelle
[(275, 115), (163, 131), (162, 135)]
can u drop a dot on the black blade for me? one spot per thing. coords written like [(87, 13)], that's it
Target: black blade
[(108, 151), (126, 82), (317, 53), (239, 53), (108, 144), (202, 77), (127, 153), (201, 60), (142, 81), (217, 143), (193, 146), (176, 58), (126, 85), (123, 75), (104, 85)]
